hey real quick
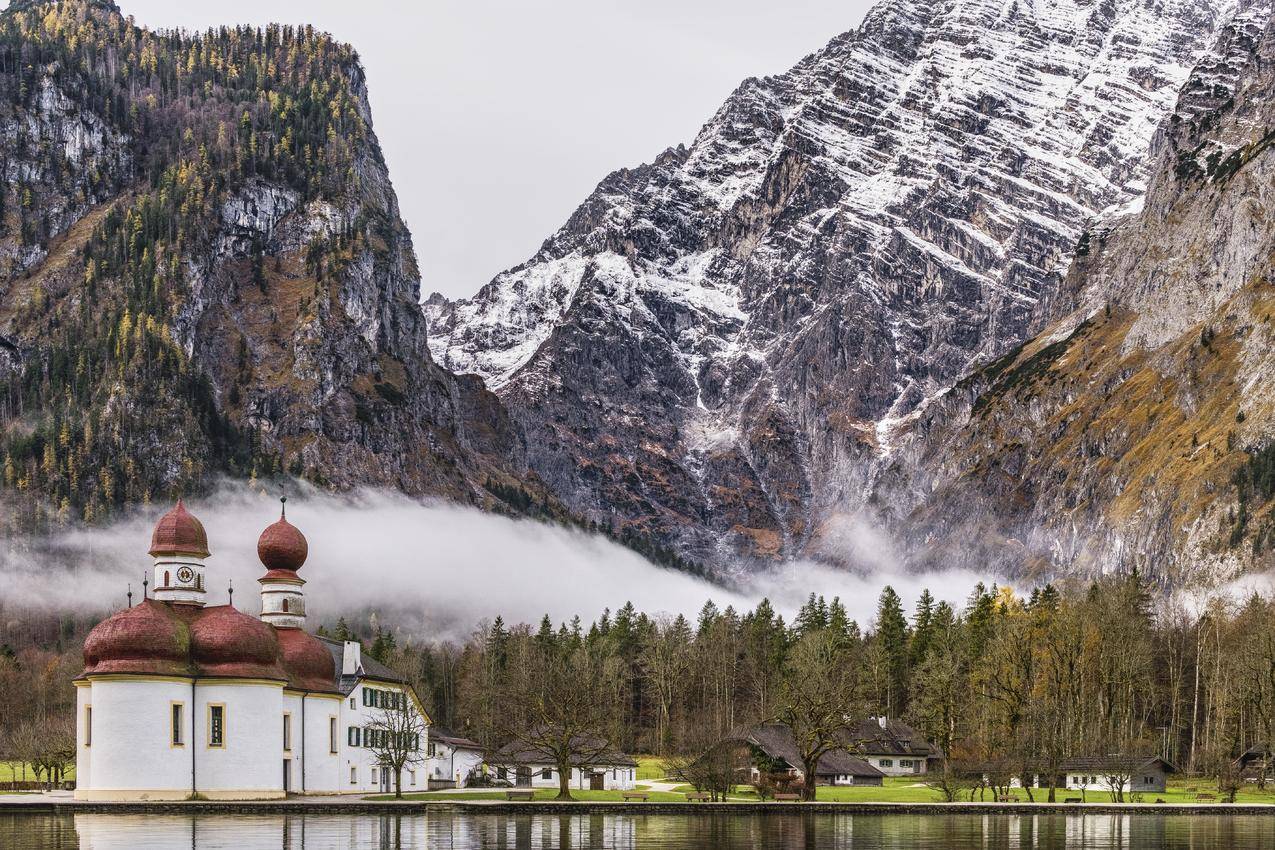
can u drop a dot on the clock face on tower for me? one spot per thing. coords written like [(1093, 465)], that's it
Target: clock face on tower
[(185, 574)]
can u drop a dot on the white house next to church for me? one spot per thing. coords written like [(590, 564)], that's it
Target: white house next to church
[(454, 760), (180, 699)]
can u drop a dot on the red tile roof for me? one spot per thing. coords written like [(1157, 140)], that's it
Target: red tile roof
[(282, 546), (178, 532), (158, 639)]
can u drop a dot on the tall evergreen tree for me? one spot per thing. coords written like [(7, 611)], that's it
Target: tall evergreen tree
[(922, 627), (892, 637)]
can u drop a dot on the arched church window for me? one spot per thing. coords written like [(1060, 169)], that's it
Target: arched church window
[(285, 606), (165, 578)]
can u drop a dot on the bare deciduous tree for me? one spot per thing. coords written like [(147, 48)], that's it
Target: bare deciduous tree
[(709, 765), (396, 736), (554, 710), (819, 697)]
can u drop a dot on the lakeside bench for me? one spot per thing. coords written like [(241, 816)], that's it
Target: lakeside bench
[(1206, 798), (635, 795), (697, 796), (787, 798), (1072, 800), (520, 794)]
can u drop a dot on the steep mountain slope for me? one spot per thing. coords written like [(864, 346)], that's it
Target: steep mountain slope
[(1139, 429), (203, 270), (718, 347)]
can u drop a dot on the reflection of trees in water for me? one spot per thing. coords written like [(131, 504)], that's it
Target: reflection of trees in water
[(632, 830)]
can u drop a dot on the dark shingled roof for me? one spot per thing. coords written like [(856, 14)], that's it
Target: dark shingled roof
[(372, 669), (777, 741), (1116, 764), (893, 738), (524, 752), (446, 736)]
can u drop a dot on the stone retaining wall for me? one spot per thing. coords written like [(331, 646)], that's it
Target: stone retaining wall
[(407, 807)]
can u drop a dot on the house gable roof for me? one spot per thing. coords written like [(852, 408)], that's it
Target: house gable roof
[(1116, 764), (525, 752), (777, 741), (443, 735), (875, 737), (372, 669)]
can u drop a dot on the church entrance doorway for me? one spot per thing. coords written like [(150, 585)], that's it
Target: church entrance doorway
[(287, 775), (597, 782)]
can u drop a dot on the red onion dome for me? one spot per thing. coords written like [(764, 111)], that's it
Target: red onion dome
[(282, 546), (227, 642), (178, 532), (307, 661), (149, 638)]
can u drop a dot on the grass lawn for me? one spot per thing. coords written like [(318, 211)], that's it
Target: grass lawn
[(649, 767), (11, 770)]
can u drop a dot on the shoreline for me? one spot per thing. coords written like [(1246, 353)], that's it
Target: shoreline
[(325, 806)]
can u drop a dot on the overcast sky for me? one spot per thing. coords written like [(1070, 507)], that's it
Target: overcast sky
[(498, 117)]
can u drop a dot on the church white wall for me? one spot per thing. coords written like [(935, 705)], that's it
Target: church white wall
[(131, 747), (83, 754), (276, 596), (251, 762), (168, 584), (322, 766)]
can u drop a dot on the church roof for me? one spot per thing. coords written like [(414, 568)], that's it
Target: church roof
[(179, 532), (155, 638), (282, 547)]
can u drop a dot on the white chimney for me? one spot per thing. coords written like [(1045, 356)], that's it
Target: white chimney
[(880, 720), (352, 659)]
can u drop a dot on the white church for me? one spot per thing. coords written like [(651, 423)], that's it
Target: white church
[(184, 700)]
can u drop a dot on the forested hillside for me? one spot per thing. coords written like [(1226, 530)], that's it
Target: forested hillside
[(203, 271)]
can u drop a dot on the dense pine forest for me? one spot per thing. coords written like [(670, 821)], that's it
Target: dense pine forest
[(1018, 682)]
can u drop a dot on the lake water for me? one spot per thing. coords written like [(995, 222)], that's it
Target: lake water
[(743, 831)]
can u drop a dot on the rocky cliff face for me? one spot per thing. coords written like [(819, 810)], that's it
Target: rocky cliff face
[(203, 270), (721, 348), (1136, 431)]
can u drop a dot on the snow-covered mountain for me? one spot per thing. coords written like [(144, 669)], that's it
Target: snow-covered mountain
[(717, 348), (1137, 430)]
